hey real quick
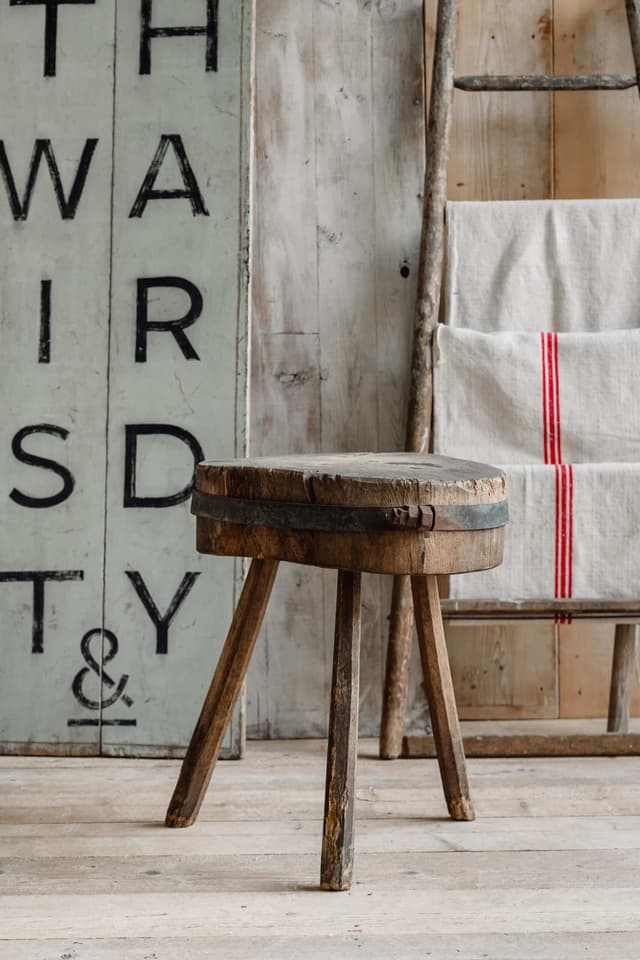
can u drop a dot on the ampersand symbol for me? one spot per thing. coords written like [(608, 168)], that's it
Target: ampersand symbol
[(93, 664)]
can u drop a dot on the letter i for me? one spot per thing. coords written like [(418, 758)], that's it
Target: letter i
[(44, 346)]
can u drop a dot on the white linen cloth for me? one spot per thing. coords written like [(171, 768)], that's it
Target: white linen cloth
[(573, 531), (536, 371), (532, 397), (543, 265)]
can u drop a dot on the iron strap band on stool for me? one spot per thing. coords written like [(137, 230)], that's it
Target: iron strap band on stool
[(311, 516)]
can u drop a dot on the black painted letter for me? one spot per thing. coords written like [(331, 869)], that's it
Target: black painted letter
[(135, 430), (68, 483), (147, 33), (38, 578), (43, 148), (174, 327), (44, 346), (50, 27), (191, 189), (160, 621)]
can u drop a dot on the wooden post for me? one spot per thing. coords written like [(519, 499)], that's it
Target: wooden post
[(623, 674), (396, 681), (440, 696), (206, 740), (633, 18), (432, 240), (426, 317), (337, 839)]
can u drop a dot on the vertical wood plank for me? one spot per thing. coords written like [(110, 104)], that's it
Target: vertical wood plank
[(501, 143), (398, 164), (585, 658), (285, 389), (346, 237), (288, 684), (53, 381), (350, 57), (346, 224), (200, 239), (596, 137), (597, 145), (284, 278), (289, 677), (510, 676)]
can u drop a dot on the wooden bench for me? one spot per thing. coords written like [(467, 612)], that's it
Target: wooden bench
[(402, 514)]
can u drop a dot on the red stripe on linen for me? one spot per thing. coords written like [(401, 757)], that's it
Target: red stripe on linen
[(570, 537), (563, 531), (556, 383), (559, 540), (552, 402), (552, 448), (570, 469), (545, 404), (557, 537)]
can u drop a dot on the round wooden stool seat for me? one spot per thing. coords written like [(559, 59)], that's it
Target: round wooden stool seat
[(378, 513)]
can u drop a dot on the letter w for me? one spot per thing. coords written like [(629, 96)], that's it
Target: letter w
[(42, 148)]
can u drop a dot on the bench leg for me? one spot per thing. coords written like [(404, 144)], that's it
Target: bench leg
[(623, 675), (215, 715), (442, 704), (337, 838)]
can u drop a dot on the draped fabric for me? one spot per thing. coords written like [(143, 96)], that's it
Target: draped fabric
[(531, 265), (537, 397), (558, 411)]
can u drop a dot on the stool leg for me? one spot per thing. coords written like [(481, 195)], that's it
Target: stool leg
[(442, 704), (396, 679), (623, 676), (337, 839), (215, 715)]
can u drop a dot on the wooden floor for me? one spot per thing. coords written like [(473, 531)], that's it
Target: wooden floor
[(550, 869)]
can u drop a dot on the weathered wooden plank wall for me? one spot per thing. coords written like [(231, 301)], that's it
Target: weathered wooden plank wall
[(339, 148), (339, 152)]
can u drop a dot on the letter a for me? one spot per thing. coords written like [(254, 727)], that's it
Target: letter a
[(191, 189)]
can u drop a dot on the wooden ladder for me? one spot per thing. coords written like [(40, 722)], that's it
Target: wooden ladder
[(394, 705)]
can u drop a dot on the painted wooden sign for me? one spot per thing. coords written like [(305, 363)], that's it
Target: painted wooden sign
[(123, 226)]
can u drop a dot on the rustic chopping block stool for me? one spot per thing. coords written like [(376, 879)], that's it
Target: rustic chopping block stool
[(376, 513)]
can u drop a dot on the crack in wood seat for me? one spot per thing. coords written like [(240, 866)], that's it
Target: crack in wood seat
[(407, 514)]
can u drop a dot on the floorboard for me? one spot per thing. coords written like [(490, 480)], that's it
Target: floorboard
[(550, 869)]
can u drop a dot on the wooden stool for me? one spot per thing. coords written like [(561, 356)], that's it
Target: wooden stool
[(376, 513)]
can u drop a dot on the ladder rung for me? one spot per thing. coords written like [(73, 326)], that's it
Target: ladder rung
[(604, 81)]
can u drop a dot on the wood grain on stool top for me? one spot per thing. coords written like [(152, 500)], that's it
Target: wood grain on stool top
[(355, 479)]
